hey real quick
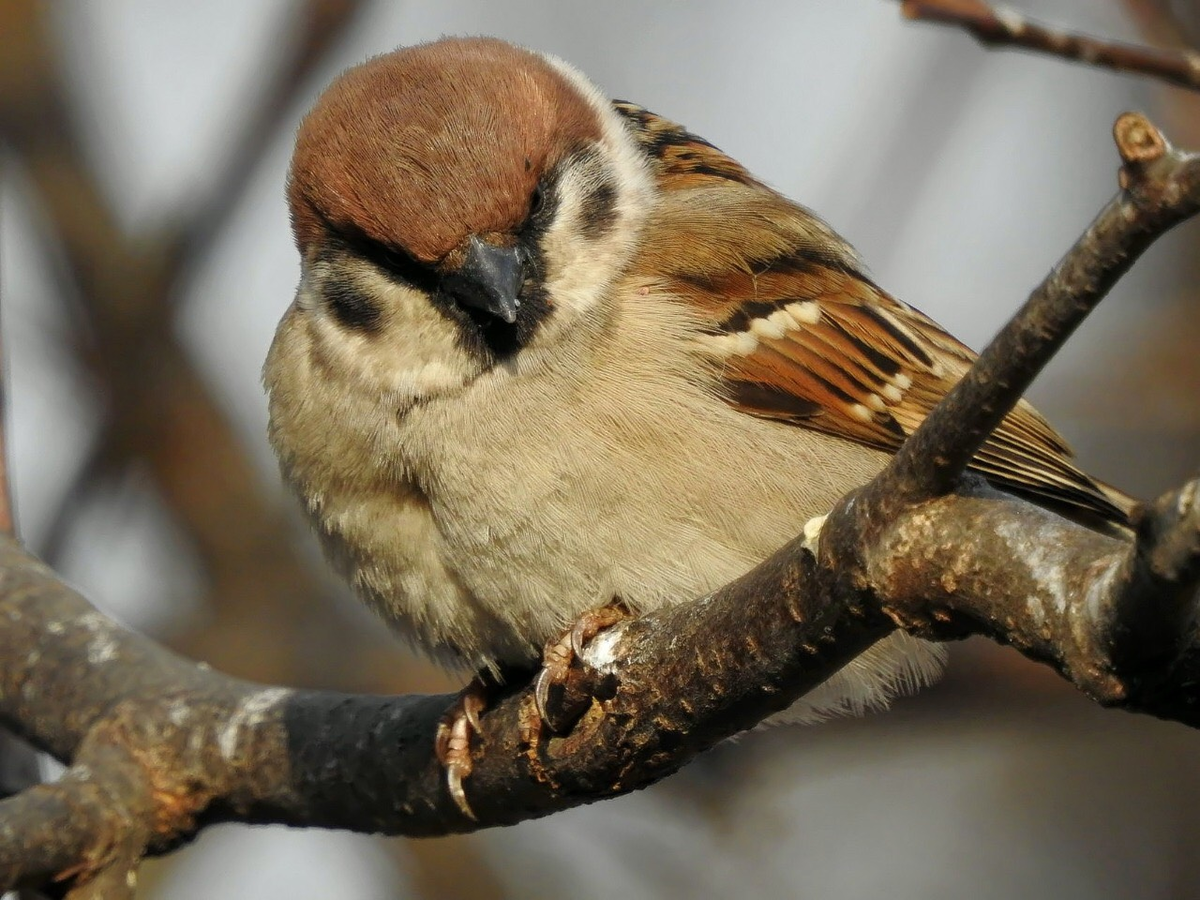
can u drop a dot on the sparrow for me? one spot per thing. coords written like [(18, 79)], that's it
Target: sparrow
[(551, 352)]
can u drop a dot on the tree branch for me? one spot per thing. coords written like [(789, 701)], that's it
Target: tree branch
[(994, 26)]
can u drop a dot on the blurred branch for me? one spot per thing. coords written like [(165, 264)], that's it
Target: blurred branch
[(994, 26), (319, 25), (1157, 22), (158, 406), (91, 477), (161, 747)]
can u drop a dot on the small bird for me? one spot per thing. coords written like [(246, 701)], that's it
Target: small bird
[(551, 352)]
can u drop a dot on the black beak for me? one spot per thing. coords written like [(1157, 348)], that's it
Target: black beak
[(490, 279)]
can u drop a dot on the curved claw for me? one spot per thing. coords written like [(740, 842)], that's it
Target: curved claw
[(441, 742), (454, 777), (556, 663), (541, 693), (452, 743), (561, 654), (472, 705), (584, 630), (453, 746)]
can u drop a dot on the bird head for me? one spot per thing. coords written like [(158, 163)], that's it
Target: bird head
[(458, 205)]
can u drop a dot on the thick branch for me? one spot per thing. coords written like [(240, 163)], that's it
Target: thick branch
[(212, 748), (1000, 27), (95, 819), (1110, 616), (221, 748)]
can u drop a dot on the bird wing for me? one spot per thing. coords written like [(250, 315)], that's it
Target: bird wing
[(802, 334)]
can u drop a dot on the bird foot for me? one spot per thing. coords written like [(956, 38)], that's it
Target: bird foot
[(559, 654), (453, 742)]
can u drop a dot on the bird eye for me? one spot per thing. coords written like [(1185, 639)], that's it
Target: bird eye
[(398, 264), (394, 261), (537, 202)]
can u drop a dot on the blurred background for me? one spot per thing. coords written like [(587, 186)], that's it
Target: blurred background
[(145, 258)]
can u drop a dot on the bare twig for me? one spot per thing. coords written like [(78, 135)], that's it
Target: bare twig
[(1110, 642), (996, 26), (1160, 188)]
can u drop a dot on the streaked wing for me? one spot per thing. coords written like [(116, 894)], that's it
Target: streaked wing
[(803, 336)]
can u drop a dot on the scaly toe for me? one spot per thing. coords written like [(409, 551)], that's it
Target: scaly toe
[(561, 654)]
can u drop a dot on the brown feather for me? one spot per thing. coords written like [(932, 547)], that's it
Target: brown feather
[(866, 367)]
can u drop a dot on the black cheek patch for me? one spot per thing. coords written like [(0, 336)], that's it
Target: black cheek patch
[(492, 339), (351, 306), (598, 211)]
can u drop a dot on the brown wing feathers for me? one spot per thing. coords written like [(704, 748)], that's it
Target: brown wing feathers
[(682, 156), (804, 337)]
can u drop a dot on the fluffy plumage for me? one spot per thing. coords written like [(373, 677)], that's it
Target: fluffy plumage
[(697, 365)]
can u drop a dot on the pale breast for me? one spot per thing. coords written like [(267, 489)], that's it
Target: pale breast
[(483, 524), (553, 495)]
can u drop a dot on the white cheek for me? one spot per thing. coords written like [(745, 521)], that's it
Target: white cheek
[(415, 354), (577, 269), (581, 268)]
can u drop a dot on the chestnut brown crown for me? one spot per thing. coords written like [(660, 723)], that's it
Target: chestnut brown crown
[(425, 146)]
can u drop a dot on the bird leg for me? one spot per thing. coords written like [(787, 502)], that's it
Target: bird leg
[(559, 654), (453, 742)]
